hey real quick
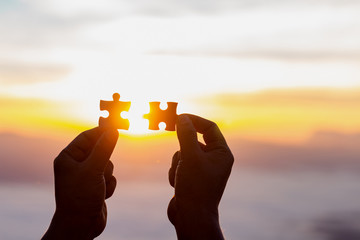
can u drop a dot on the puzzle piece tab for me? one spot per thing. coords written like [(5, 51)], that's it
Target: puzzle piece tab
[(157, 115), (115, 107)]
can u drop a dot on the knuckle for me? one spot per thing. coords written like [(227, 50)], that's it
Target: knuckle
[(60, 162), (213, 125), (110, 165), (113, 181), (176, 155), (171, 176), (56, 163), (231, 158), (169, 173)]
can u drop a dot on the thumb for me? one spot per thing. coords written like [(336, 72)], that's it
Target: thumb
[(187, 136), (102, 150)]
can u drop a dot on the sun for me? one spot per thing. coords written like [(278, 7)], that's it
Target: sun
[(138, 125)]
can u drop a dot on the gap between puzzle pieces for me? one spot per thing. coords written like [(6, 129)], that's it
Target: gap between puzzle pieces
[(155, 116)]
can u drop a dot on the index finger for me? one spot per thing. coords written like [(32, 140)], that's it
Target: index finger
[(209, 129), (80, 147)]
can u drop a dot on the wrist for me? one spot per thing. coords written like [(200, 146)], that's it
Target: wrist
[(71, 226), (194, 221)]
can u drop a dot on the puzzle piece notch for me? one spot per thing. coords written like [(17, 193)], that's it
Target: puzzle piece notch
[(115, 108), (157, 115)]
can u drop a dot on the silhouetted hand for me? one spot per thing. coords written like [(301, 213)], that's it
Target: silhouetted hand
[(83, 180), (199, 174)]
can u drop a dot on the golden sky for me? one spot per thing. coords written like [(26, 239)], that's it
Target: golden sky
[(274, 72)]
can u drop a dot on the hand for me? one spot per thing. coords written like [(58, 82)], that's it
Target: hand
[(83, 180), (199, 174)]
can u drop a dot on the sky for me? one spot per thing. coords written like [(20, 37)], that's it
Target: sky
[(280, 78), (266, 71), (63, 57)]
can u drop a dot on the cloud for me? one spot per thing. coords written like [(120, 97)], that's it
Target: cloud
[(27, 73), (35, 117), (292, 55), (343, 225), (173, 7), (325, 151), (34, 27), (290, 31), (321, 96), (29, 159), (26, 159), (285, 114), (266, 25)]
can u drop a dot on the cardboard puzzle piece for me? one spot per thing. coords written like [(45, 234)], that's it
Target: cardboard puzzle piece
[(157, 115), (115, 107)]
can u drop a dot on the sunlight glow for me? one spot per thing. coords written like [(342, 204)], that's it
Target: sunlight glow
[(55, 77), (138, 125)]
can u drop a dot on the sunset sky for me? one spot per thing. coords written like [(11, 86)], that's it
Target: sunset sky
[(281, 79), (266, 70)]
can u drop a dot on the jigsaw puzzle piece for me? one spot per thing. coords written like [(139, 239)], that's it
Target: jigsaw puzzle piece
[(115, 108), (157, 115)]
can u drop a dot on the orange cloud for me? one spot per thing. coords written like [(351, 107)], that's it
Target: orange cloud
[(286, 114), (37, 117)]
